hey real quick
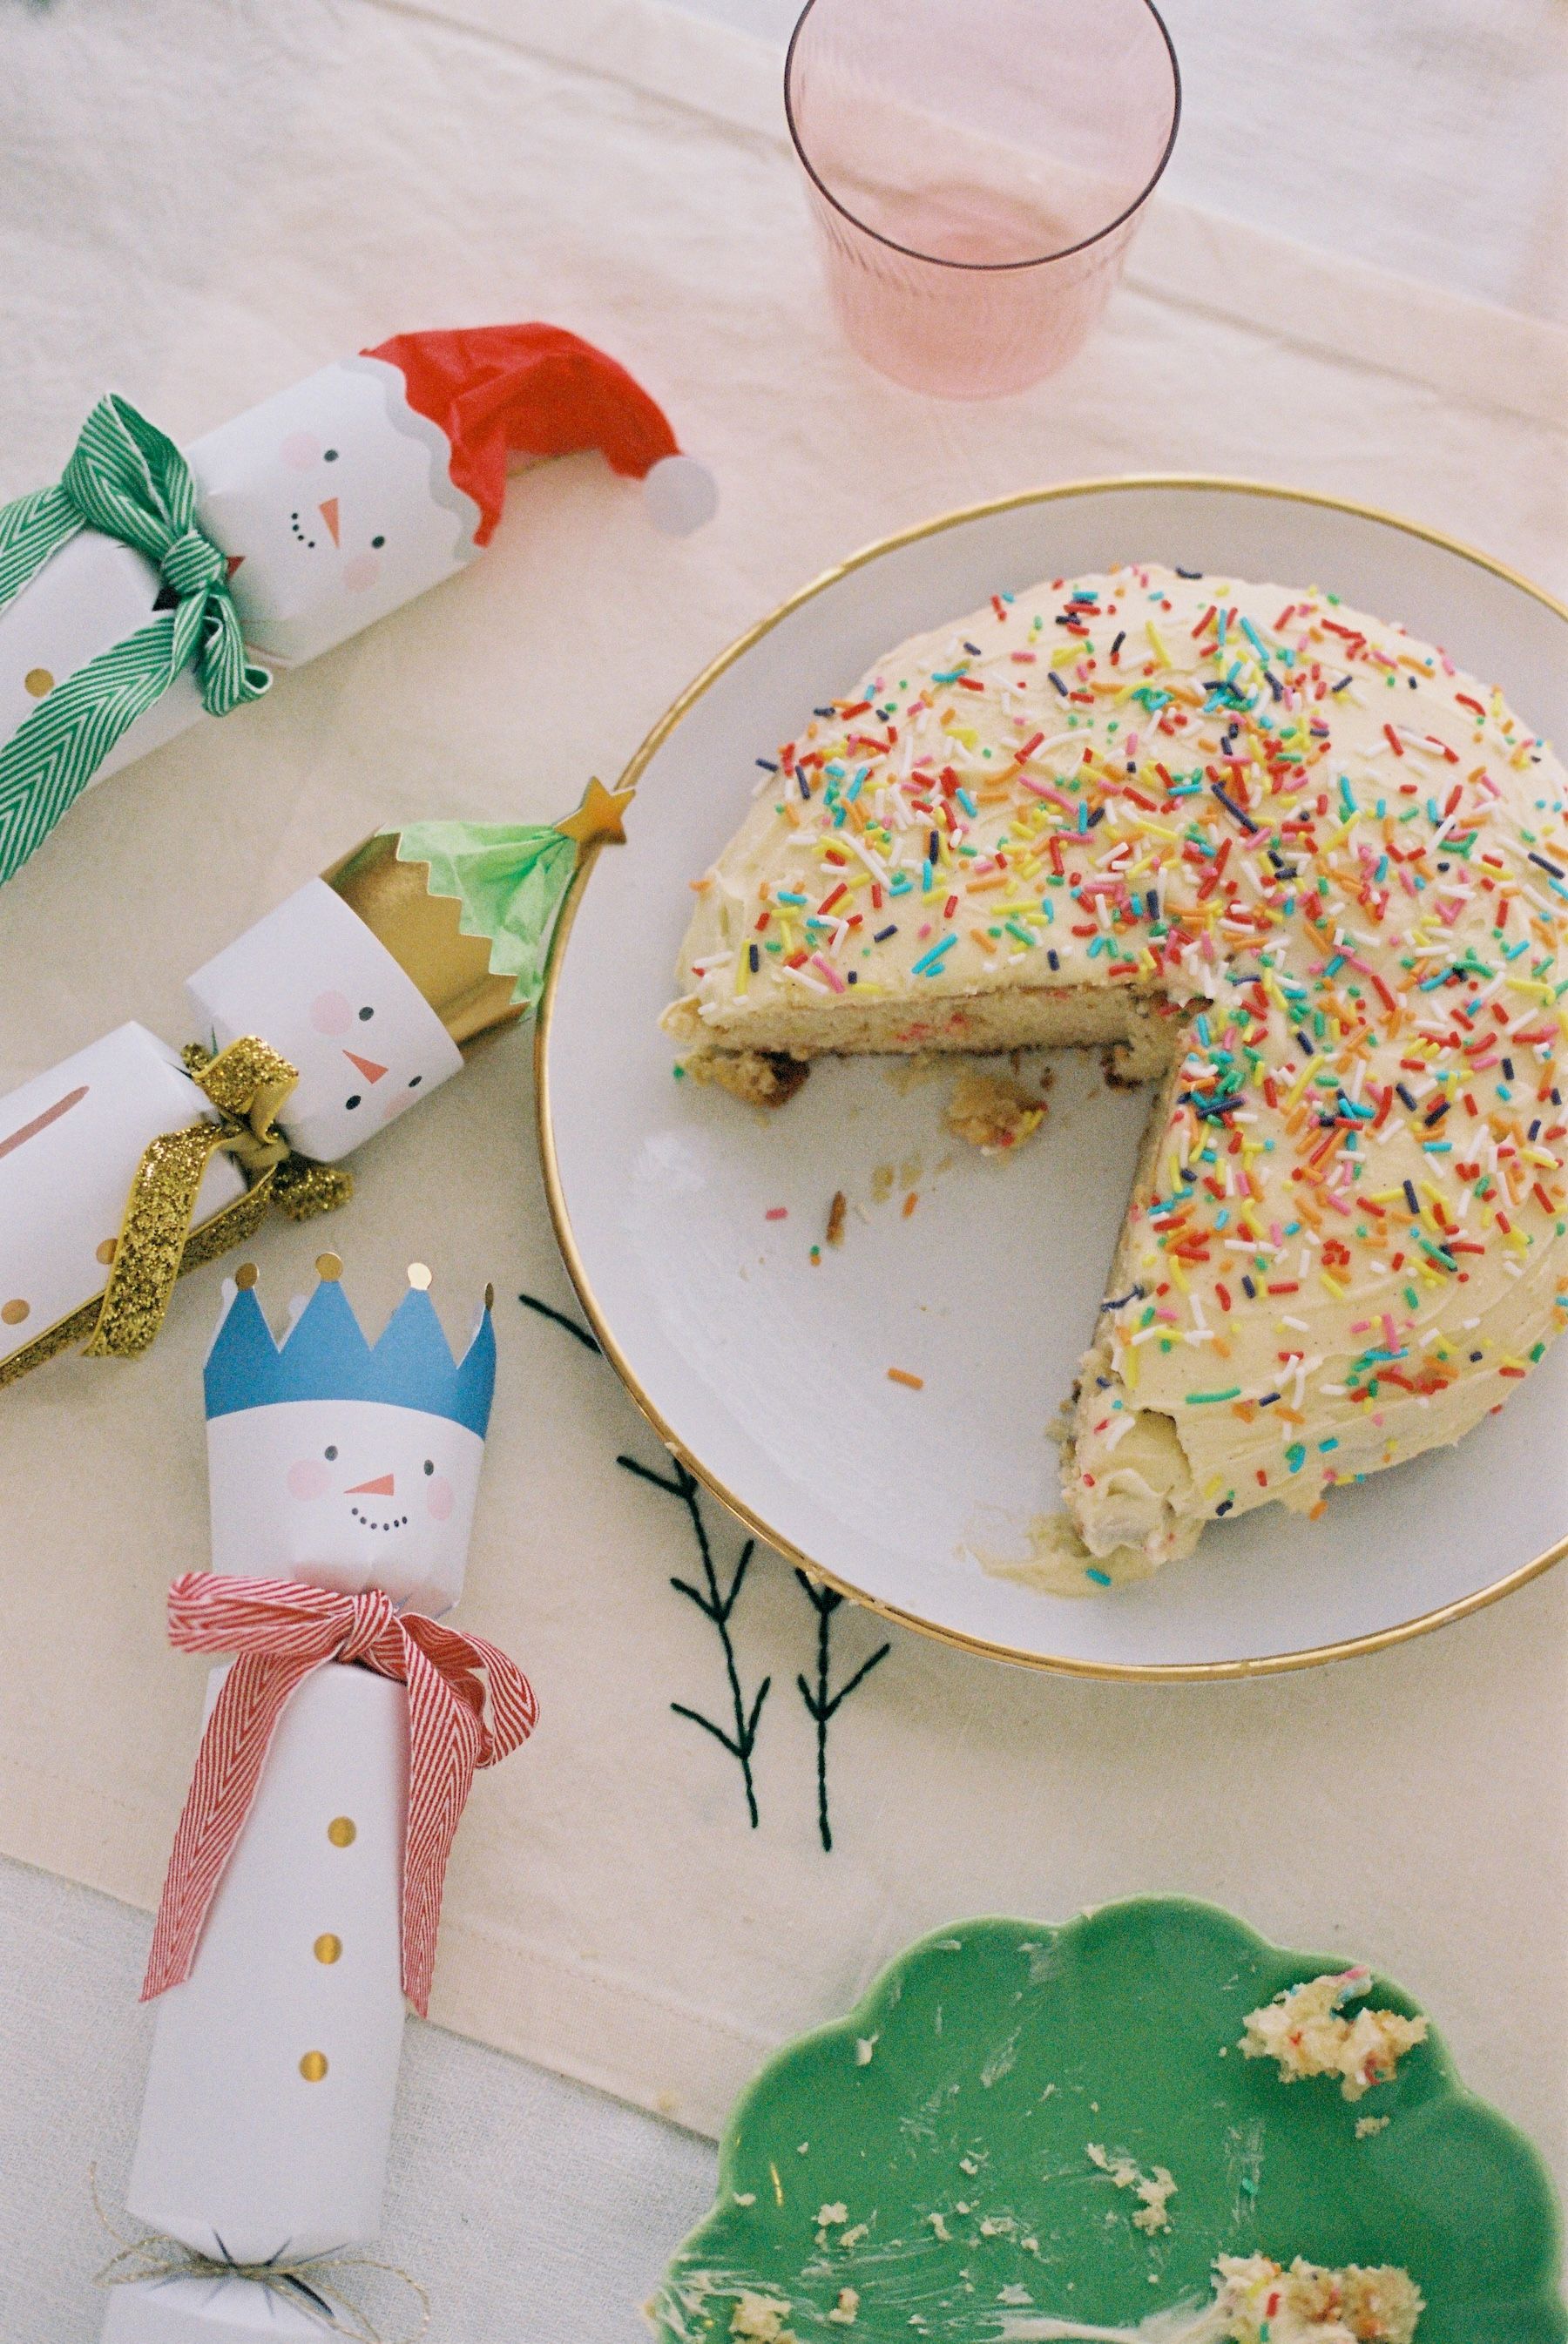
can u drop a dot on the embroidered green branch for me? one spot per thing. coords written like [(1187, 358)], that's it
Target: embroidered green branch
[(715, 1604), (821, 1705), (560, 1318)]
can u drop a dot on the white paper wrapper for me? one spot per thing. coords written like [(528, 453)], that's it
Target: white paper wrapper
[(89, 595), (333, 503), (312, 980), (70, 1141), (300, 1962), (193, 2311)]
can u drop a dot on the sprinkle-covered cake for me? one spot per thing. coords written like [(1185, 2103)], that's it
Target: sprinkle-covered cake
[(1285, 857)]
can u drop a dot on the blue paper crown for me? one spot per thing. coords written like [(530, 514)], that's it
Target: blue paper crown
[(325, 1356)]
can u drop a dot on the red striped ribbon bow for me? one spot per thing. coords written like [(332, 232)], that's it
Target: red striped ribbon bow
[(281, 1631)]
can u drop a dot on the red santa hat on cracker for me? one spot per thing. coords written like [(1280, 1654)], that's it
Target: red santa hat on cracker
[(536, 390), (324, 507)]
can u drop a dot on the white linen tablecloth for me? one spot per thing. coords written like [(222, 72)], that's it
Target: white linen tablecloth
[(203, 203)]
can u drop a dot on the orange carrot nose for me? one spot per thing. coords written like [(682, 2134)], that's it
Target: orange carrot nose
[(328, 509), (382, 1488), (368, 1067)]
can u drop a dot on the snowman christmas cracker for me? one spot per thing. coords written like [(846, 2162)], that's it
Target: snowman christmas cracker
[(304, 1888), (337, 1012), (148, 586)]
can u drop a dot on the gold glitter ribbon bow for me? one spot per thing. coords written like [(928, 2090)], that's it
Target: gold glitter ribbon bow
[(246, 1083), (310, 2283)]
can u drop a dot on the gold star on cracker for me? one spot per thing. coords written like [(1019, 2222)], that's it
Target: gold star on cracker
[(598, 817)]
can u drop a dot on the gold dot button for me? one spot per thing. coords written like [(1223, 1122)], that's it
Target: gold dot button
[(342, 1831), (328, 1947), (313, 2066), (109, 1249), (244, 1276), (13, 1312), (37, 681), (329, 1268)]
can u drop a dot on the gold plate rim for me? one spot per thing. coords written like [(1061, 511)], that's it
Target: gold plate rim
[(1058, 1663)]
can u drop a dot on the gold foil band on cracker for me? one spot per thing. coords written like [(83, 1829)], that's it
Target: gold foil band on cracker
[(247, 1084), (421, 931)]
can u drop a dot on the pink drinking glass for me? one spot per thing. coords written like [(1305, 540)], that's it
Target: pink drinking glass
[(977, 169)]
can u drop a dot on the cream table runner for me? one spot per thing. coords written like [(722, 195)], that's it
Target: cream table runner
[(314, 178)]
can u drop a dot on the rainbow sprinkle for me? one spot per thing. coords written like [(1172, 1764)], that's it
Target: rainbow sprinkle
[(1341, 863)]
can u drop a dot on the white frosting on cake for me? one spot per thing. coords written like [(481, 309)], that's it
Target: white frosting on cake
[(1296, 857)]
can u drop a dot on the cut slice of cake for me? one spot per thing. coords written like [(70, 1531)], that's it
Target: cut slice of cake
[(1280, 856)]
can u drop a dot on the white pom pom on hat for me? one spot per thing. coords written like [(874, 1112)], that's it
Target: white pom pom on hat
[(681, 494)]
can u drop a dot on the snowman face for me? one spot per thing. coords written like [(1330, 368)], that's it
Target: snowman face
[(344, 1494), (313, 981), (334, 505)]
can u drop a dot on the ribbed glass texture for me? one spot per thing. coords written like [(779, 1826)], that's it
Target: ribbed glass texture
[(977, 169)]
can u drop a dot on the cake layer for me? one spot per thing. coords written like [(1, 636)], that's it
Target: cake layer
[(1278, 847)]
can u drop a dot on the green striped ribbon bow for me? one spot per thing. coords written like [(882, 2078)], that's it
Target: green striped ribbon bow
[(126, 481)]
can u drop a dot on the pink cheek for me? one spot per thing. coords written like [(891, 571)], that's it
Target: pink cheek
[(438, 1498), (300, 451), (331, 1013), (308, 1478), (361, 572), (397, 1103)]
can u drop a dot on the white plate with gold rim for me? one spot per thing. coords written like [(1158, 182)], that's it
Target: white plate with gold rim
[(687, 1221)]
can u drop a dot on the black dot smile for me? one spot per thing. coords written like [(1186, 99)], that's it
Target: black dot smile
[(399, 1523)]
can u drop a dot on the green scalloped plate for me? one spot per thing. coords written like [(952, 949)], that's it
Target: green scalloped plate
[(950, 2115)]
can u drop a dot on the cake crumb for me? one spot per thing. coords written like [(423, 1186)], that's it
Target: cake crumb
[(1155, 2190), (844, 2313), (835, 1216), (760, 2319), (1303, 2031), (993, 1113), (756, 1077), (906, 1073), (1367, 2125), (865, 2049), (939, 2229)]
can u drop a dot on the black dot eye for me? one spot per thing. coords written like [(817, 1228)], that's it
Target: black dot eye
[(366, 1013), (414, 1081), (329, 456), (352, 1100), (377, 542), (430, 1464), (330, 1454)]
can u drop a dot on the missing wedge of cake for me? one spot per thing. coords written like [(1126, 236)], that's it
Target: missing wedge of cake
[(1284, 859)]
